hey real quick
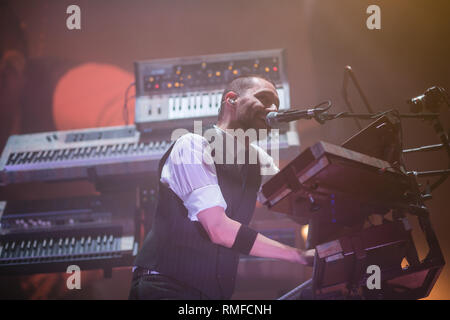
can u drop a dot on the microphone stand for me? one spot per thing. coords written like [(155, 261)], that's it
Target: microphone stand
[(431, 173), (325, 116), (433, 147)]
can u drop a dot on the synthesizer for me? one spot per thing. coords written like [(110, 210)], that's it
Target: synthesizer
[(176, 89), (325, 168), (44, 236), (81, 154), (337, 186)]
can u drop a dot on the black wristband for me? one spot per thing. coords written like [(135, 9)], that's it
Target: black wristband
[(245, 239)]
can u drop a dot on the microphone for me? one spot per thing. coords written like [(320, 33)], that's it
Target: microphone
[(276, 119)]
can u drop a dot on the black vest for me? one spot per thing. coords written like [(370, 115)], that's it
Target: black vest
[(180, 248)]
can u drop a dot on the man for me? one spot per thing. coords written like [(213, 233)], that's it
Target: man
[(204, 207)]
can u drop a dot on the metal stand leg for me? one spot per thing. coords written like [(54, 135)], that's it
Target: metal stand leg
[(296, 293)]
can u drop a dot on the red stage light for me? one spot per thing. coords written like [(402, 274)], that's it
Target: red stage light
[(91, 95)]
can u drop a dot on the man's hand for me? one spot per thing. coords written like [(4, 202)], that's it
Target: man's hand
[(306, 257)]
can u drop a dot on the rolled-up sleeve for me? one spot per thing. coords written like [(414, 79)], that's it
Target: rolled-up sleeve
[(190, 173)]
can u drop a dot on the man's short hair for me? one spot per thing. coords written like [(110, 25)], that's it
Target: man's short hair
[(239, 85)]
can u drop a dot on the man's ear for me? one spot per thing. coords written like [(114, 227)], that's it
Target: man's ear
[(230, 98)]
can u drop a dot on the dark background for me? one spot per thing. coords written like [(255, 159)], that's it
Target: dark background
[(56, 79)]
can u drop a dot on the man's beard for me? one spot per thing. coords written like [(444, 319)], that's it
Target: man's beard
[(256, 120)]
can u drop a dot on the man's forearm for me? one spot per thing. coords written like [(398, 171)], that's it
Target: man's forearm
[(263, 247)]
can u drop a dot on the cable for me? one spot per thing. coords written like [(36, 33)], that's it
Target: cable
[(322, 103), (323, 111), (125, 103)]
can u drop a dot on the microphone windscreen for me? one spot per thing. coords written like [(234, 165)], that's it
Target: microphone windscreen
[(271, 119)]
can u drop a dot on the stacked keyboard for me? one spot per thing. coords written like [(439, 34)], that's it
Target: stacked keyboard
[(187, 88), (49, 235), (80, 154)]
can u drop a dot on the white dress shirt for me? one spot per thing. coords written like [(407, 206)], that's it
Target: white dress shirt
[(195, 181)]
